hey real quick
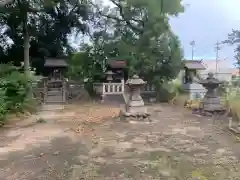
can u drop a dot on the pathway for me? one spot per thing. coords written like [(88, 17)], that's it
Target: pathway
[(175, 146)]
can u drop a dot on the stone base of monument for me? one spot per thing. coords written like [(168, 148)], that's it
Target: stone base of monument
[(135, 114), (134, 109), (212, 106)]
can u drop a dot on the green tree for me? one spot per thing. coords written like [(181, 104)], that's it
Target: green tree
[(48, 29), (140, 31), (23, 9), (234, 39)]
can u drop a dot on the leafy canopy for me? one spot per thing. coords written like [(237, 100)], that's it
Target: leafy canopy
[(139, 32)]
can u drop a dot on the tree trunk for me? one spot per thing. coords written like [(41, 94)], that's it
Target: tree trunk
[(26, 46)]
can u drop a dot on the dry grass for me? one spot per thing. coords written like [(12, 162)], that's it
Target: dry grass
[(183, 101), (180, 100), (90, 112), (234, 106)]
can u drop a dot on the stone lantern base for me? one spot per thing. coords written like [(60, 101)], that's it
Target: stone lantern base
[(134, 108), (135, 114), (212, 104)]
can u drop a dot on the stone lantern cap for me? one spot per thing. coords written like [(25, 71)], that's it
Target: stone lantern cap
[(109, 73), (135, 80), (210, 80)]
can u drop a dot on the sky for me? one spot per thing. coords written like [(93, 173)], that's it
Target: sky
[(206, 22)]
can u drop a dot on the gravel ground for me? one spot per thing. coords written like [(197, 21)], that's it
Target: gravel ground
[(174, 146)]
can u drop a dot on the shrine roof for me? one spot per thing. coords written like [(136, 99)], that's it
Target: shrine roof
[(194, 64), (55, 62), (117, 63)]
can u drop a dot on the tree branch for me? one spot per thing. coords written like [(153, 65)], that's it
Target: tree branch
[(128, 21), (122, 19)]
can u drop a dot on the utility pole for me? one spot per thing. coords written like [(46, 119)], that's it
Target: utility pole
[(192, 43), (217, 47), (162, 6)]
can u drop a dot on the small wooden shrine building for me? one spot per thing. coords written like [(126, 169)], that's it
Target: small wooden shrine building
[(190, 76), (117, 68), (55, 67), (191, 69)]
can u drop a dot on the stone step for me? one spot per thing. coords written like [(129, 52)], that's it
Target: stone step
[(52, 107), (55, 94), (54, 102), (54, 99), (54, 90)]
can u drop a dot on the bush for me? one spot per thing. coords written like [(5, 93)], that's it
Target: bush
[(169, 90), (13, 89)]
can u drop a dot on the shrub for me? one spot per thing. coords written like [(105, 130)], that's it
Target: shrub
[(169, 90), (13, 89)]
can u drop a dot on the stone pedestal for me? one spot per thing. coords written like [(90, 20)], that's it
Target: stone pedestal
[(134, 108), (211, 101), (212, 104)]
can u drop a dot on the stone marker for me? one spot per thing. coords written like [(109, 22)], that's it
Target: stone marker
[(134, 108), (211, 101)]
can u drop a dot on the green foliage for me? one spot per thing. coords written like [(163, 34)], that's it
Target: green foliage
[(82, 65), (169, 90), (140, 34), (137, 31), (49, 22), (234, 39), (13, 92)]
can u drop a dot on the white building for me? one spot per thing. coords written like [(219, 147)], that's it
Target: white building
[(223, 71)]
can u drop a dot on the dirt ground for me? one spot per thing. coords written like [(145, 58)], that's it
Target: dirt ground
[(69, 145)]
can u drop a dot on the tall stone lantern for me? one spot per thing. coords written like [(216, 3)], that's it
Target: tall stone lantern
[(109, 76), (211, 100), (135, 108)]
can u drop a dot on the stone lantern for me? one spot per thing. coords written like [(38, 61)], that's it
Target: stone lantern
[(109, 76), (211, 100), (135, 108)]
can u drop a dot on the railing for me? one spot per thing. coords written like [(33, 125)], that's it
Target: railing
[(148, 88), (39, 89), (74, 91), (118, 88), (109, 88), (113, 88)]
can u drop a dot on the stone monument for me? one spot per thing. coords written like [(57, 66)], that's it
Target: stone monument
[(134, 108), (109, 76), (211, 101)]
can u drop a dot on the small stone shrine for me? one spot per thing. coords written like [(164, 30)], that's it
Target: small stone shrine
[(211, 101), (109, 76), (134, 108)]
